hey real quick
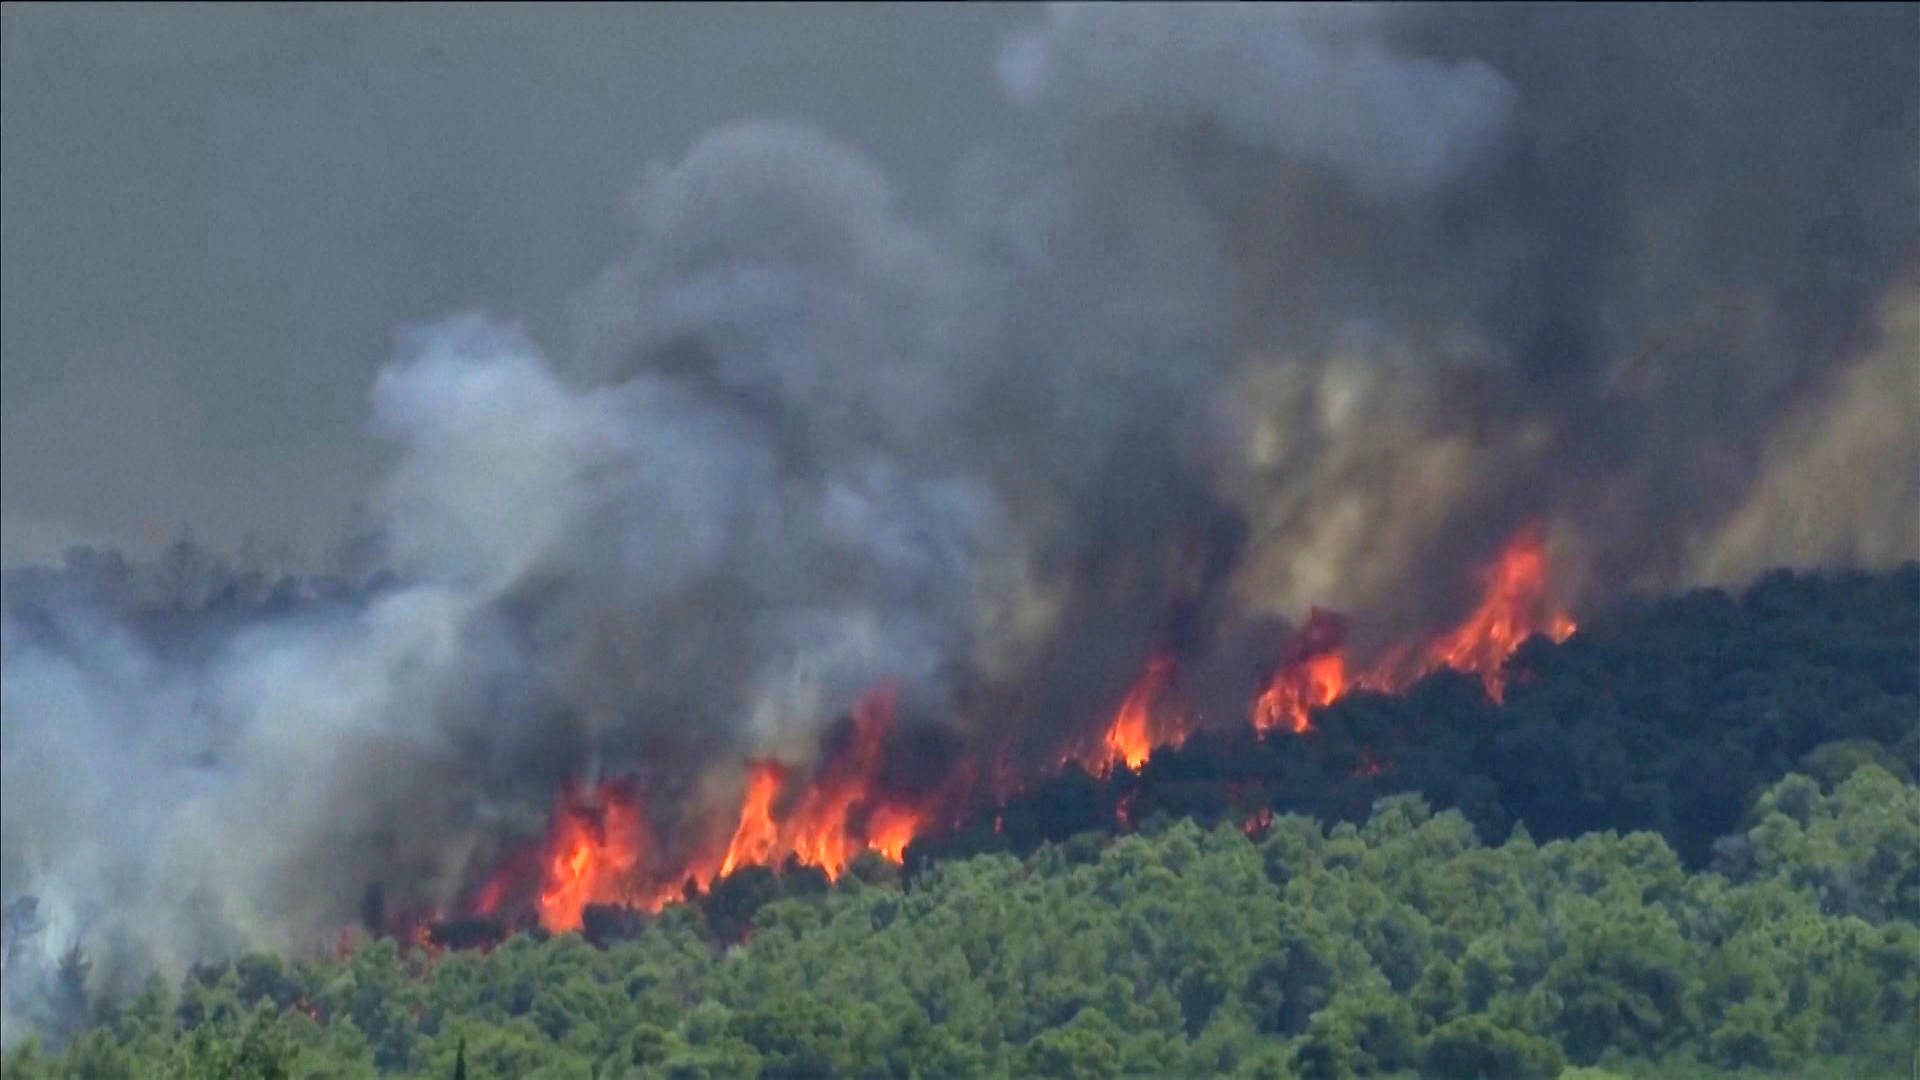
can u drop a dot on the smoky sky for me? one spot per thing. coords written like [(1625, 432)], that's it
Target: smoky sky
[(215, 220)]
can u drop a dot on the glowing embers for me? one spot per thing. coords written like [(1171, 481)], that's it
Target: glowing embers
[(1256, 824)]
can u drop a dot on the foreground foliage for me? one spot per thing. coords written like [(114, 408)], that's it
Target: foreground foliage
[(1402, 946)]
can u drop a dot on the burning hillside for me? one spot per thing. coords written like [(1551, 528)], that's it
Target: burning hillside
[(833, 523), (1513, 607), (601, 850)]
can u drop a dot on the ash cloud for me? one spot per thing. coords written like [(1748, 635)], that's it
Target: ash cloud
[(1252, 310)]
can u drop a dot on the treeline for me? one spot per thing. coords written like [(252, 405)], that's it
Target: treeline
[(187, 579), (1402, 946), (184, 603), (1666, 715)]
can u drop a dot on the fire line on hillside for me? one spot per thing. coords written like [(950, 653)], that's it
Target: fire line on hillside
[(600, 849)]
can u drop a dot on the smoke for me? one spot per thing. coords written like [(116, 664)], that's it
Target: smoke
[(1308, 84), (1253, 310), (1680, 243), (1839, 485)]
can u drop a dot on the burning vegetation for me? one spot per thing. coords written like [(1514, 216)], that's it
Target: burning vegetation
[(1513, 607), (842, 531), (600, 849)]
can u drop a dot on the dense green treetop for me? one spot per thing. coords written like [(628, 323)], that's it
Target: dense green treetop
[(1402, 945)]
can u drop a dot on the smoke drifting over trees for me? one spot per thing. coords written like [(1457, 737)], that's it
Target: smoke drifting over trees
[(1252, 310)]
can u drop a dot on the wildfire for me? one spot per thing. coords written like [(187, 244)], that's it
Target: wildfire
[(1313, 673), (598, 844), (1513, 606), (757, 835), (1134, 734), (1511, 610), (599, 849), (1255, 825), (891, 827), (827, 828), (597, 838)]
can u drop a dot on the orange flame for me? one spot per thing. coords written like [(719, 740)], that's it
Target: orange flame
[(597, 844), (891, 827), (1513, 607), (1313, 674), (599, 849), (1133, 735), (757, 835), (1255, 825), (818, 831)]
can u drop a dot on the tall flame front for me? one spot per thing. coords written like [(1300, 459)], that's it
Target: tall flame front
[(599, 848)]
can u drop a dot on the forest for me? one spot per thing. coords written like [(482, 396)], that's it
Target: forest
[(1687, 844)]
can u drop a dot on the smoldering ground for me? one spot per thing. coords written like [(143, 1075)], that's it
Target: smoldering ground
[(1252, 310)]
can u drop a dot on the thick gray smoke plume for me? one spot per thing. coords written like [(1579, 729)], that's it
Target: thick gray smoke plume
[(1257, 309)]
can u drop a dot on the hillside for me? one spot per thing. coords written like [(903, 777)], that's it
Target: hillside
[(1665, 714), (1401, 946), (1687, 842)]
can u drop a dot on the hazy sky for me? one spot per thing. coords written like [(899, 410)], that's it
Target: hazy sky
[(215, 220)]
